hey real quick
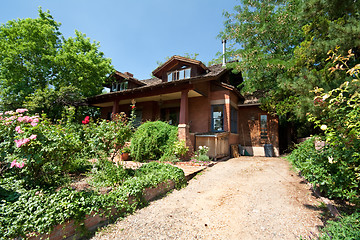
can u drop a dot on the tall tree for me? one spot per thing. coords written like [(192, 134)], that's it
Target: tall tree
[(282, 47), (35, 56)]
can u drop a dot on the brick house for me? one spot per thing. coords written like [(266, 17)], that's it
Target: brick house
[(202, 101)]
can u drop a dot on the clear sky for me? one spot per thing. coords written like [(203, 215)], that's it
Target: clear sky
[(135, 34)]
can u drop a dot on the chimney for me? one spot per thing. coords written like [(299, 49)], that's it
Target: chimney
[(129, 74), (224, 52)]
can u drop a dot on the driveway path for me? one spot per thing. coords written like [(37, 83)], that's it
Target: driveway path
[(242, 198)]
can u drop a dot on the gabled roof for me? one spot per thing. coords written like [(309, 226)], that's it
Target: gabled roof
[(175, 59), (126, 76)]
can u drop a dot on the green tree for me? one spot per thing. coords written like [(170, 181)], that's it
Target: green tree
[(282, 46), (53, 102), (35, 56)]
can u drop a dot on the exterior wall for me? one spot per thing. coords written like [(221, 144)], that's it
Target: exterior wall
[(199, 115), (249, 131)]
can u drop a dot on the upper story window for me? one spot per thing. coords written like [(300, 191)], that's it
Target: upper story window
[(179, 74), (119, 86)]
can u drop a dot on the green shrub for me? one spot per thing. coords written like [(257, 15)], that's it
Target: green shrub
[(106, 137), (106, 173), (329, 169), (153, 141), (25, 211), (162, 172), (348, 227)]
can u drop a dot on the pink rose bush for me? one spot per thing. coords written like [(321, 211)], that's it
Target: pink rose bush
[(46, 148)]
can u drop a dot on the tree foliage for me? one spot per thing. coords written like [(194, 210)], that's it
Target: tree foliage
[(282, 48), (35, 56)]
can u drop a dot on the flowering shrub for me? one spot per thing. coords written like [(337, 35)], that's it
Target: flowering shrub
[(104, 138), (335, 169), (42, 150), (200, 156)]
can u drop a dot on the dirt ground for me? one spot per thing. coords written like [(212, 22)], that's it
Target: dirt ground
[(242, 198)]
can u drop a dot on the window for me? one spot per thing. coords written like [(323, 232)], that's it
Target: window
[(217, 118), (234, 119), (119, 86), (179, 74), (263, 127)]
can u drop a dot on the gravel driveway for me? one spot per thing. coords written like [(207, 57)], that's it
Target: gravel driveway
[(242, 198)]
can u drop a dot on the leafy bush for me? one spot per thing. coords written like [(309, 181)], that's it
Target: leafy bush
[(106, 173), (335, 169), (326, 169), (40, 152), (162, 172), (348, 227), (180, 149), (153, 141), (106, 137), (26, 211)]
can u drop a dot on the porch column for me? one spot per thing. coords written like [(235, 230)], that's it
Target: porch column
[(227, 108), (183, 132), (115, 108)]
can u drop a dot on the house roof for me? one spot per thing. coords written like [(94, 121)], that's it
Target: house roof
[(155, 83), (173, 60), (127, 76)]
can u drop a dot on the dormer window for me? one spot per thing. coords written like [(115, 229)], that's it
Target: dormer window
[(179, 74), (119, 86)]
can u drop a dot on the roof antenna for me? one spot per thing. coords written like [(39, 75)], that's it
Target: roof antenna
[(224, 52)]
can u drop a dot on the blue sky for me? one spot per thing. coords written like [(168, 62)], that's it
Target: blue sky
[(135, 34)]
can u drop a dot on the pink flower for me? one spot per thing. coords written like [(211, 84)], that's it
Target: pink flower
[(33, 124), (9, 112), (20, 165), (18, 143), (36, 120), (21, 110), (86, 120), (19, 130), (13, 163), (33, 137), (21, 142), (16, 164)]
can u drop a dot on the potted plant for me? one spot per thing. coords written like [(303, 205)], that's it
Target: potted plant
[(125, 151)]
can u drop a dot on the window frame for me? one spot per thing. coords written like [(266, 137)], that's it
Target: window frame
[(119, 86), (179, 74), (264, 131), (222, 117)]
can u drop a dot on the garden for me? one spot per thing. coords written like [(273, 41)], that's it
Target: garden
[(41, 160), (330, 161)]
